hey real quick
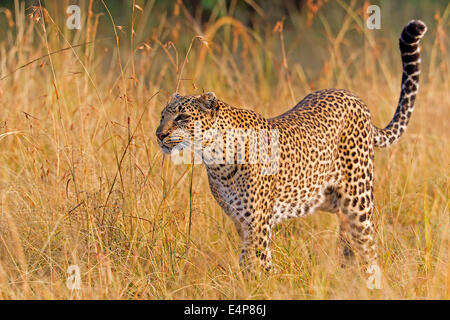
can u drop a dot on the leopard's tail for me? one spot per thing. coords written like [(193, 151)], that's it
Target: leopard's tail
[(410, 50)]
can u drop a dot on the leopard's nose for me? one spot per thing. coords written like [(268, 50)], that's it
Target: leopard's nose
[(161, 135)]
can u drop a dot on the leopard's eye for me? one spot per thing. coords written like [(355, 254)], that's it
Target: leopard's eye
[(182, 117)]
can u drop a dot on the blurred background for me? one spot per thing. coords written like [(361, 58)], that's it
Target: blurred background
[(312, 32)]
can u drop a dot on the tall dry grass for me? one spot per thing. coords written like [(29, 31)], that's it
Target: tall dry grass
[(83, 182)]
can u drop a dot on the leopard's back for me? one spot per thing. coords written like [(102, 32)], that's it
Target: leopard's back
[(313, 139)]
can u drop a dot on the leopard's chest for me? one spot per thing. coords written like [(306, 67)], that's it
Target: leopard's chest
[(225, 187)]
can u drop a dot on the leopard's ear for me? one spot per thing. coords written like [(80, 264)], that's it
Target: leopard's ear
[(210, 100), (175, 96)]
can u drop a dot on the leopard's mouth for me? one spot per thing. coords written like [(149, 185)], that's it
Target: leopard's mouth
[(170, 143), (166, 150)]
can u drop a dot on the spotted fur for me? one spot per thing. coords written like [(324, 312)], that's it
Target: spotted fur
[(326, 151)]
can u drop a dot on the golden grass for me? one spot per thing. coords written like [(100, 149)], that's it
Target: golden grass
[(82, 180)]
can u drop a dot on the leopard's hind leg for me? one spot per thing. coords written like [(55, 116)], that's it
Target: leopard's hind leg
[(356, 190)]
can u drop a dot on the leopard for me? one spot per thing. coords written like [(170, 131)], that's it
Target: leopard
[(324, 158)]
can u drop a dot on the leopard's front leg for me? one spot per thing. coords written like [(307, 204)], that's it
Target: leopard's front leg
[(256, 236)]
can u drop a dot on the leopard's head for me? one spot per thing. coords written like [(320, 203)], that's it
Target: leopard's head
[(182, 115)]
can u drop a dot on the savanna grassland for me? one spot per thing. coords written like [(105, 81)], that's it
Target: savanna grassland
[(83, 181)]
